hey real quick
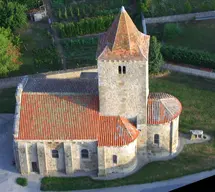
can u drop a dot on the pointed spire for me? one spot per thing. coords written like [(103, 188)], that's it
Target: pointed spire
[(122, 9), (123, 41)]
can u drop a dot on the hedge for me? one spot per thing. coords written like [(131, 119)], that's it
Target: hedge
[(84, 26), (188, 56)]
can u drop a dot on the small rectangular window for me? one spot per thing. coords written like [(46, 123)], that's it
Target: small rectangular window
[(55, 154), (124, 70), (120, 70), (115, 159)]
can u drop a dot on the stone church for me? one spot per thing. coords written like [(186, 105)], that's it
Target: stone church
[(101, 123)]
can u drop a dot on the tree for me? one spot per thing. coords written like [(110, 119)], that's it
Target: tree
[(155, 57), (9, 53), (12, 15), (188, 7)]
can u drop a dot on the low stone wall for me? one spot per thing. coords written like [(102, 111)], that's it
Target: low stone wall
[(189, 71), (177, 18)]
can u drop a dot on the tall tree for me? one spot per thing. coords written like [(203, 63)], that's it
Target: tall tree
[(155, 57), (12, 15), (9, 53)]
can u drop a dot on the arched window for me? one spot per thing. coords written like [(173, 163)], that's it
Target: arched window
[(124, 70), (55, 154), (115, 159), (120, 70), (84, 154), (156, 139)]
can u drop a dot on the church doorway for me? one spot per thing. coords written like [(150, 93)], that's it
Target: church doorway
[(34, 167)]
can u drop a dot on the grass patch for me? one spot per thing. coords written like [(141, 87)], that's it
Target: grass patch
[(7, 100), (194, 35), (197, 96), (22, 181), (80, 52)]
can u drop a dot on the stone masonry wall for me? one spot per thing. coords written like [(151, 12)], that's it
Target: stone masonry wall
[(165, 136), (69, 159), (126, 159), (84, 164), (176, 18), (123, 94), (55, 164)]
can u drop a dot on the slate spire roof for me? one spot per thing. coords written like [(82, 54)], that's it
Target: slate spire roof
[(123, 41)]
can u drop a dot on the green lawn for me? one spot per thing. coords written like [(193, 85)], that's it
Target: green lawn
[(7, 100), (195, 35), (197, 96)]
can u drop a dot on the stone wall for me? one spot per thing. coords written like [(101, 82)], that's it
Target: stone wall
[(189, 71), (68, 162), (177, 18), (55, 164), (167, 139), (123, 94), (84, 164), (126, 159)]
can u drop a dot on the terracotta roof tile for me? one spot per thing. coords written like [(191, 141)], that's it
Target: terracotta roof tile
[(59, 117), (123, 41), (162, 108)]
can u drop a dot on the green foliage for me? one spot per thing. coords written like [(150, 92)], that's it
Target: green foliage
[(188, 7), (172, 30), (155, 57), (92, 9), (80, 52), (13, 15), (46, 59), (157, 8), (9, 53), (186, 55), (22, 181), (30, 4), (84, 26)]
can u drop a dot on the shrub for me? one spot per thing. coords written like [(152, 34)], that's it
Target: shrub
[(187, 7), (171, 30), (22, 181), (155, 56), (84, 26), (188, 56)]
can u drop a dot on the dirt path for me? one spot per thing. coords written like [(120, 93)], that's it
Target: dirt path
[(54, 34)]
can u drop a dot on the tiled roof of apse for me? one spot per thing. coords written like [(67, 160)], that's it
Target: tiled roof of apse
[(162, 108), (123, 41)]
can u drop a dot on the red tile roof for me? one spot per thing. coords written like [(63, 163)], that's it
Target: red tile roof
[(46, 116), (162, 108), (123, 41)]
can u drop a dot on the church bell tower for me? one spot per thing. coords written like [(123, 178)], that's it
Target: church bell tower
[(122, 59)]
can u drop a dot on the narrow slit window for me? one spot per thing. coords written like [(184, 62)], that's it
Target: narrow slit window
[(124, 70), (120, 69), (115, 159), (156, 139)]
